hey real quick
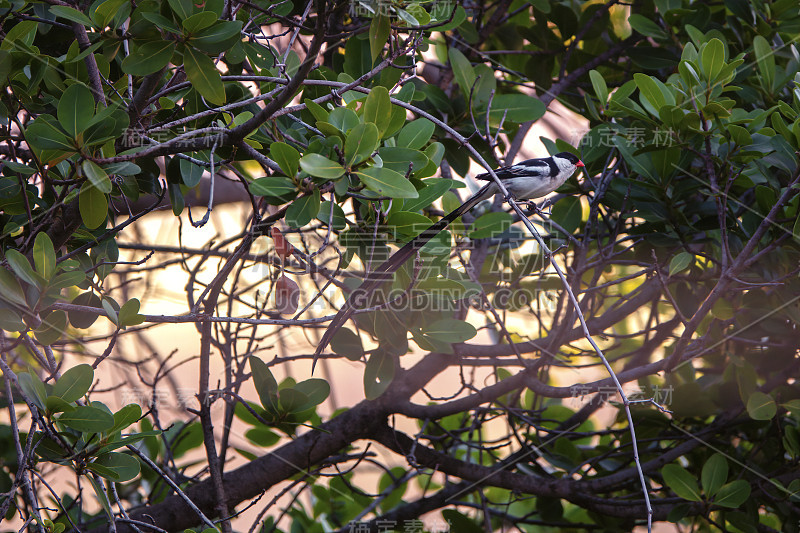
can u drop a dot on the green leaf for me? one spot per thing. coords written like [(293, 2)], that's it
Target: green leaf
[(293, 401), (378, 373), (126, 416), (52, 329), (264, 381), (320, 166), (649, 89), (262, 436), (199, 21), (33, 388), (387, 182), (740, 135), (338, 222), (568, 213), (378, 108), (272, 186), (407, 224), (416, 134), (102, 497), (462, 71), (361, 141), (54, 405), (74, 383), (105, 12), (450, 330), (218, 38), (148, 58), (182, 8), (712, 58), (765, 59), (317, 111), (345, 342), (86, 418), (599, 86), (44, 133), (315, 389), (379, 30), (517, 108), (71, 14), (646, 27), (761, 406), (118, 467), (680, 262), (681, 482), (204, 76), (22, 268), (129, 313), (93, 206), (161, 21), (191, 174), (733, 495), (490, 225), (75, 108), (714, 474), (10, 290), (97, 176), (303, 210), (401, 159), (286, 156), (44, 255)]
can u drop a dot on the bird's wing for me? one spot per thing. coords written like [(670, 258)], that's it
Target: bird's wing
[(529, 168), (360, 297)]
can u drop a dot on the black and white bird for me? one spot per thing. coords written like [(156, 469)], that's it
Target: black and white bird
[(525, 180)]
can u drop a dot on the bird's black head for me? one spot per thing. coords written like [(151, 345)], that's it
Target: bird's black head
[(572, 158)]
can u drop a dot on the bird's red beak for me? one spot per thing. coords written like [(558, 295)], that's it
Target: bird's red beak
[(579, 164)]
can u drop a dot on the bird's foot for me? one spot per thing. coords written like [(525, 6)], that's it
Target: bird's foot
[(539, 209)]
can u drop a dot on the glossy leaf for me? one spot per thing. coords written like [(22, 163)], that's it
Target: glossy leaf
[(714, 474), (416, 133), (681, 482), (462, 70), (761, 406), (44, 255), (387, 182), (345, 342), (74, 383), (93, 205), (87, 419), (272, 186), (320, 166), (599, 86), (517, 108), (361, 141), (733, 495), (117, 467), (264, 381), (303, 210), (75, 108), (680, 262), (148, 58), (378, 108), (286, 156), (379, 29), (97, 176), (204, 76)]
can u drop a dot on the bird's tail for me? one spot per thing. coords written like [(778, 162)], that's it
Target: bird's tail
[(360, 297)]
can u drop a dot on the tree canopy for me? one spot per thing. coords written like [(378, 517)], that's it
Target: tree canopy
[(660, 285)]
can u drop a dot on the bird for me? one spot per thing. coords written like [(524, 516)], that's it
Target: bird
[(525, 180)]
